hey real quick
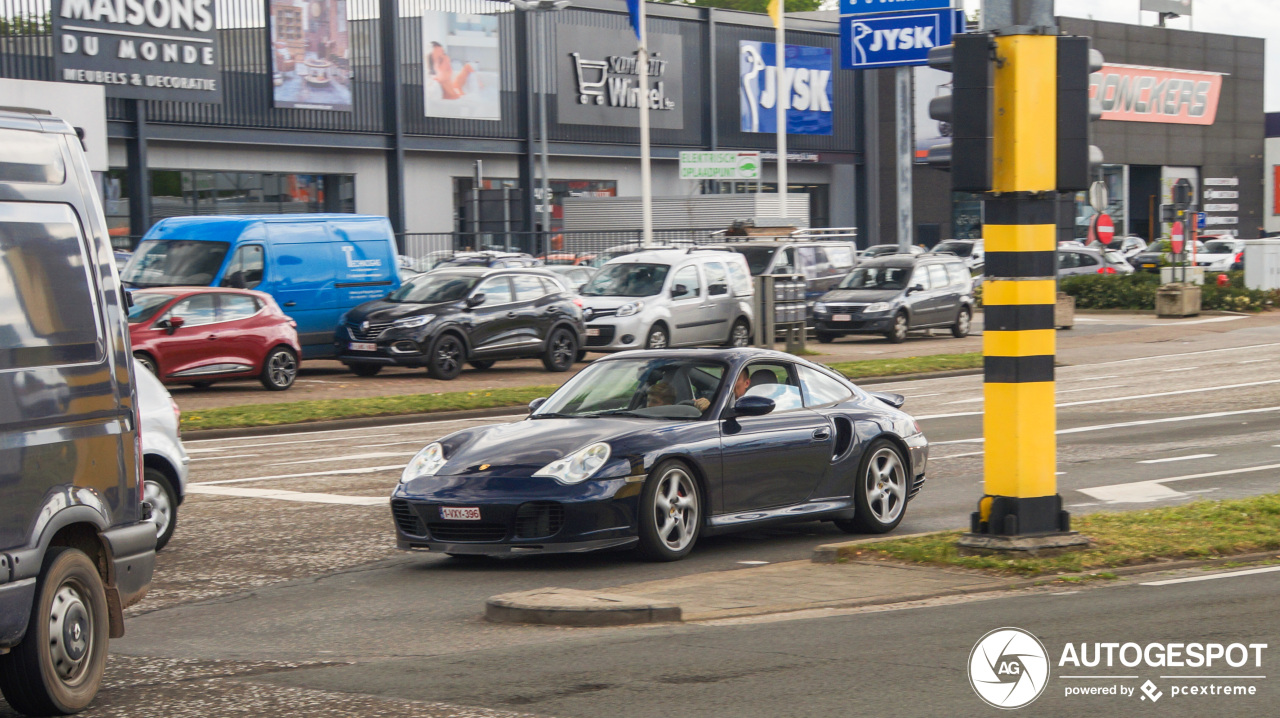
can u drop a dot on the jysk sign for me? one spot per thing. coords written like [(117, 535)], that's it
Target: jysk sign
[(806, 88), (143, 49), (868, 41), (864, 7)]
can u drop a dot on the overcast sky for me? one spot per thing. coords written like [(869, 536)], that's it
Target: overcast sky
[(1255, 18)]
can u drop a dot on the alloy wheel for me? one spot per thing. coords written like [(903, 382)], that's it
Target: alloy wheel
[(282, 368), (657, 339), (675, 509), (448, 357), (741, 335), (563, 351), (161, 507), (886, 485)]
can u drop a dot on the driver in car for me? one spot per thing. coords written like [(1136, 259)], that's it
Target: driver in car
[(663, 394)]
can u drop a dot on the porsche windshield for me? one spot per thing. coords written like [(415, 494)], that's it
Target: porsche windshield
[(627, 280), (175, 263), (651, 388)]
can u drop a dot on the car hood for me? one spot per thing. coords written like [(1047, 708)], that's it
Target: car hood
[(381, 311), (523, 447), (861, 295), (612, 302)]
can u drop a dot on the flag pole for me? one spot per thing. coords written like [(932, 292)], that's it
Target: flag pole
[(646, 177), (781, 98)]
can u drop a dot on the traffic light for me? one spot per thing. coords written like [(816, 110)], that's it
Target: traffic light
[(1077, 156), (967, 110)]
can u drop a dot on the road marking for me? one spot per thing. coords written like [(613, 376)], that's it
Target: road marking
[(1178, 458), (965, 401), (1212, 577), (220, 458), (290, 443), (1254, 361), (1086, 402), (754, 563), (205, 451), (334, 472), (348, 457), (282, 495), (957, 456), (921, 396), (1180, 368), (397, 427), (1155, 490), (1089, 388), (1183, 354), (1096, 378)]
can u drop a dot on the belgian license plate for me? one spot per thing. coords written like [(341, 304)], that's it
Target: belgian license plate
[(460, 514), (842, 317), (1148, 266), (364, 347), (593, 332)]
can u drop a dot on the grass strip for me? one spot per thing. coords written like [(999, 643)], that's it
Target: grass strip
[(907, 365), (1202, 529), (300, 412)]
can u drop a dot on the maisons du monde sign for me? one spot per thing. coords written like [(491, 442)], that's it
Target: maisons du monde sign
[(142, 49), (598, 79)]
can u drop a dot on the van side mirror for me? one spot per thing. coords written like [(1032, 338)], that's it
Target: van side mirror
[(475, 300), (915, 288), (173, 324), (679, 291)]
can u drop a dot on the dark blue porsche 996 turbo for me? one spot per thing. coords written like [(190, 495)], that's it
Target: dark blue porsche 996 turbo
[(652, 449)]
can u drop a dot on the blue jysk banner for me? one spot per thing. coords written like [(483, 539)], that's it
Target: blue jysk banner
[(806, 89), (862, 7), (895, 40)]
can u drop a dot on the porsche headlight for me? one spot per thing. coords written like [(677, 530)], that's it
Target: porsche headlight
[(578, 466), (877, 307), (426, 463), (630, 308), (414, 322)]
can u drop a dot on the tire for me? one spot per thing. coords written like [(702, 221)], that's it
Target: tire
[(582, 354), (964, 320), (482, 364), (145, 360), (657, 337), (445, 359), (201, 384), (827, 337), (670, 479), (164, 504), (57, 669), (279, 369), (898, 334), (739, 335), (365, 369), (880, 496), (561, 351)]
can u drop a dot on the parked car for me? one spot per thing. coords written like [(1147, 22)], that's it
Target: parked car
[(1128, 246), (970, 250), (669, 298), (895, 294), (76, 538), (653, 450), (1220, 255), (164, 459), (490, 259), (622, 250), (1086, 260), (823, 264), (1157, 254), (884, 250), (316, 266), (455, 315), (575, 277), (200, 335)]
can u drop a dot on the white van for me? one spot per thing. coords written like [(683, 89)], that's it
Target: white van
[(669, 298)]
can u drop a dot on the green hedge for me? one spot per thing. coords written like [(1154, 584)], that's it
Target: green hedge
[(1138, 291)]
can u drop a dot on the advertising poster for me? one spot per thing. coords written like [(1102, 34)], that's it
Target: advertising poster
[(806, 91), (311, 54), (461, 68), (599, 78)]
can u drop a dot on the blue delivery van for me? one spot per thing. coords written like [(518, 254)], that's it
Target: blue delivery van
[(317, 266)]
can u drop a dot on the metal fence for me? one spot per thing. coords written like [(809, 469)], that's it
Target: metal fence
[(561, 247)]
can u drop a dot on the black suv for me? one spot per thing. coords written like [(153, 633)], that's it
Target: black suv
[(894, 294), (453, 315), (77, 545)]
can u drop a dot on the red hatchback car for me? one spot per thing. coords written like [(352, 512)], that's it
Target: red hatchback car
[(199, 335)]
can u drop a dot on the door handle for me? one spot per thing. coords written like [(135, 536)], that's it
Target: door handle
[(821, 434), (511, 315), (212, 337), (291, 304)]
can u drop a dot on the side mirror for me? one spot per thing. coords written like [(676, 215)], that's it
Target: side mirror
[(894, 400), (679, 291), (753, 406), (915, 288), (173, 324), (475, 300), (533, 405)]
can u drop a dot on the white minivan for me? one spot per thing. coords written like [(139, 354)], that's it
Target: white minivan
[(669, 298)]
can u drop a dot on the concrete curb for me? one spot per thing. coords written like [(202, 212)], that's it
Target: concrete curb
[(567, 607), (362, 422)]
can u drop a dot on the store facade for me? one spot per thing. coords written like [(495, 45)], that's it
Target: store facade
[(319, 105)]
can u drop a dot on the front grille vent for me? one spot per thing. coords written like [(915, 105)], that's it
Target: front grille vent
[(539, 519)]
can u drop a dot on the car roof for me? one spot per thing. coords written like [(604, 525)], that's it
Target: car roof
[(488, 271), (910, 260), (22, 118), (670, 256)]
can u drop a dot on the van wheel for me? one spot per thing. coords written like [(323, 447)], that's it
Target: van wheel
[(365, 369), (740, 335), (145, 360), (562, 350), (898, 334), (58, 667), (446, 357), (164, 504), (279, 369), (657, 338), (960, 329)]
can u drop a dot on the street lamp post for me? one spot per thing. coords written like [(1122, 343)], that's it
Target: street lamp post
[(541, 67)]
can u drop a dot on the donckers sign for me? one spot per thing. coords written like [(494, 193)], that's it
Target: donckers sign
[(1133, 93), (143, 49)]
